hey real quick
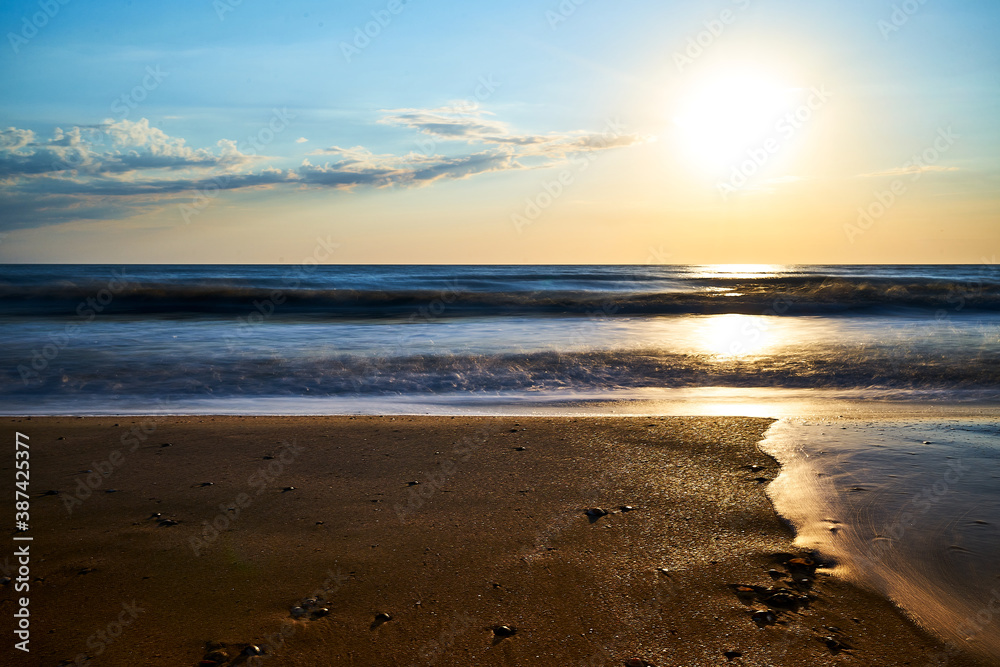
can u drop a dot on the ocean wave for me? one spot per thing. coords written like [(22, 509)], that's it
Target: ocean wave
[(776, 295), (105, 372)]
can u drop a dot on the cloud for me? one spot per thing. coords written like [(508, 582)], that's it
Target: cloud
[(909, 170), (111, 147), (117, 168)]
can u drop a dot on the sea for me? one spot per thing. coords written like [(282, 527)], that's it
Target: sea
[(884, 379)]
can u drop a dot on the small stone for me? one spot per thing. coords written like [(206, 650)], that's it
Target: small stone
[(834, 644), (207, 484), (730, 655), (110, 490), (382, 618), (288, 488), (267, 457), (166, 444), (298, 612), (155, 515), (764, 617), (504, 631), (218, 656), (321, 612), (253, 649), (4, 581), (413, 483), (638, 662), (596, 512), (166, 523), (86, 570), (520, 449), (626, 508), (663, 570), (775, 574)]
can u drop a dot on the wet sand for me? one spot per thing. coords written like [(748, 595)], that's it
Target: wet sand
[(490, 535)]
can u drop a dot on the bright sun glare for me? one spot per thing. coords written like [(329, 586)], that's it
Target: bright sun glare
[(720, 118), (734, 335)]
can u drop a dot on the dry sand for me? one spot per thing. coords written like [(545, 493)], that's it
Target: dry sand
[(490, 536)]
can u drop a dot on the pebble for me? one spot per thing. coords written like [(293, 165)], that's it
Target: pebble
[(764, 617), (520, 449), (288, 488), (504, 631), (321, 612), (732, 654), (834, 644), (166, 444), (216, 657), (253, 649), (297, 612), (167, 523), (626, 508), (596, 512), (207, 484), (383, 618), (638, 662)]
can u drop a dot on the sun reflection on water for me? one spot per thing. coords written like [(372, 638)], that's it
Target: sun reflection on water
[(734, 335)]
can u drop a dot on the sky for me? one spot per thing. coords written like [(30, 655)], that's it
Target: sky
[(528, 131)]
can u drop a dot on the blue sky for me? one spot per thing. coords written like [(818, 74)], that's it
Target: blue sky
[(224, 132)]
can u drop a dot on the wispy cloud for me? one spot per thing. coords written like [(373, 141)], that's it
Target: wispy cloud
[(909, 170)]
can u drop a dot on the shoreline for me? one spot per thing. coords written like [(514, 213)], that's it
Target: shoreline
[(271, 511)]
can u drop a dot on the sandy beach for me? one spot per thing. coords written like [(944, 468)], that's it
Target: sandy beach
[(427, 540)]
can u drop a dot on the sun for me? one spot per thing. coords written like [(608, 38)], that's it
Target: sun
[(727, 113)]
